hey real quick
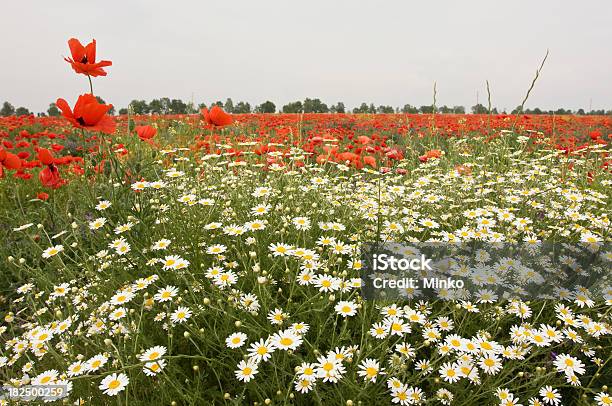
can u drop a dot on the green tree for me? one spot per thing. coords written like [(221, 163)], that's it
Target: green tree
[(7, 109), (201, 106), (53, 111), (177, 106), (385, 110), (426, 109), (165, 105), (191, 108), (140, 107), (22, 111), (123, 111), (338, 108), (266, 107), (409, 109), (156, 106), (361, 109), (479, 109), (242, 108), (459, 110), (315, 106), (229, 105), (293, 107)]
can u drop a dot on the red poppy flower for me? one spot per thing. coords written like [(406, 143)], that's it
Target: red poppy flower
[(369, 160), (216, 116), (84, 58), (88, 114), (11, 161), (50, 177), (45, 156), (595, 135), (43, 196), (362, 139), (145, 132)]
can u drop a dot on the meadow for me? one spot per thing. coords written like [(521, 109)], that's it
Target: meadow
[(215, 258)]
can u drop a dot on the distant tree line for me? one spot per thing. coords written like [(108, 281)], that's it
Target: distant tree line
[(165, 105)]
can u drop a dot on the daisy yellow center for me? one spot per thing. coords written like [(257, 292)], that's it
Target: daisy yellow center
[(371, 371), (346, 309), (154, 355), (45, 379), (262, 350), (114, 384), (286, 341), (247, 371)]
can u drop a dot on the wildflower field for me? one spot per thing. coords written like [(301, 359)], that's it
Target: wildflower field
[(216, 258)]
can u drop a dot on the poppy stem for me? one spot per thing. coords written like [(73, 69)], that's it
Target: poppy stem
[(90, 85)]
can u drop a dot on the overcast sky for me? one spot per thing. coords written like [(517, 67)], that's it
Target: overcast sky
[(385, 52)]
